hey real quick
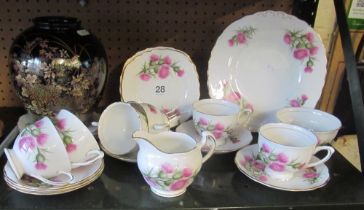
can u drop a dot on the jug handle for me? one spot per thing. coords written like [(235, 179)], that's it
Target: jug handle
[(206, 135)]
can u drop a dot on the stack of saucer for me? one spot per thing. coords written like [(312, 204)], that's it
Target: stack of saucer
[(82, 177)]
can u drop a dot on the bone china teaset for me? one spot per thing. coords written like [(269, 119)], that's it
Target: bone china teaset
[(265, 74)]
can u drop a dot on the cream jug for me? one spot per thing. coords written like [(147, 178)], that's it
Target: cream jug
[(169, 161)]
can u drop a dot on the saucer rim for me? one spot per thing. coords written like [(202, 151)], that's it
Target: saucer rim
[(53, 190), (121, 157), (275, 186)]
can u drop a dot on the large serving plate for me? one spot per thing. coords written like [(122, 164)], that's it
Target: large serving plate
[(164, 77), (267, 61)]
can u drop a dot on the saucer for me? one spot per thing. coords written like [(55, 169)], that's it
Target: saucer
[(83, 176), (304, 180), (244, 139), (158, 76), (130, 157)]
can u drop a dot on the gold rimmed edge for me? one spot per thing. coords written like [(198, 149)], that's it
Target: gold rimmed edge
[(140, 53), (62, 188), (52, 190), (56, 187), (55, 192)]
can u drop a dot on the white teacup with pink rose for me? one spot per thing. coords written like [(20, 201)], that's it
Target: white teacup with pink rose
[(287, 149), (38, 152), (220, 117), (80, 144)]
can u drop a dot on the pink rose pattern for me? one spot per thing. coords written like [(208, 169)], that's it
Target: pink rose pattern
[(217, 129), (61, 124), (303, 47), (235, 96), (65, 134), (241, 36), (161, 67), (299, 101), (255, 165), (27, 143), (167, 168), (169, 178), (311, 175), (277, 162), (31, 141), (152, 109)]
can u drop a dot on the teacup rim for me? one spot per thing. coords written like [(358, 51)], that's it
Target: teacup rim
[(294, 127), (78, 120), (338, 122), (110, 106), (101, 124), (220, 101)]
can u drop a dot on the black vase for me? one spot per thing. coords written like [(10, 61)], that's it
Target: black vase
[(57, 64)]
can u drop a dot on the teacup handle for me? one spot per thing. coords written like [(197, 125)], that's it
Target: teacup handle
[(329, 150), (99, 154), (246, 112), (207, 135), (55, 183)]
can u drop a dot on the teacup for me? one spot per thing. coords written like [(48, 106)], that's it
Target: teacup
[(120, 120), (116, 126), (80, 144), (287, 148), (324, 125), (38, 151), (220, 117)]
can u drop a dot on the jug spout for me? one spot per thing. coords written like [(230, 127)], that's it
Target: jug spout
[(143, 139), (166, 142)]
